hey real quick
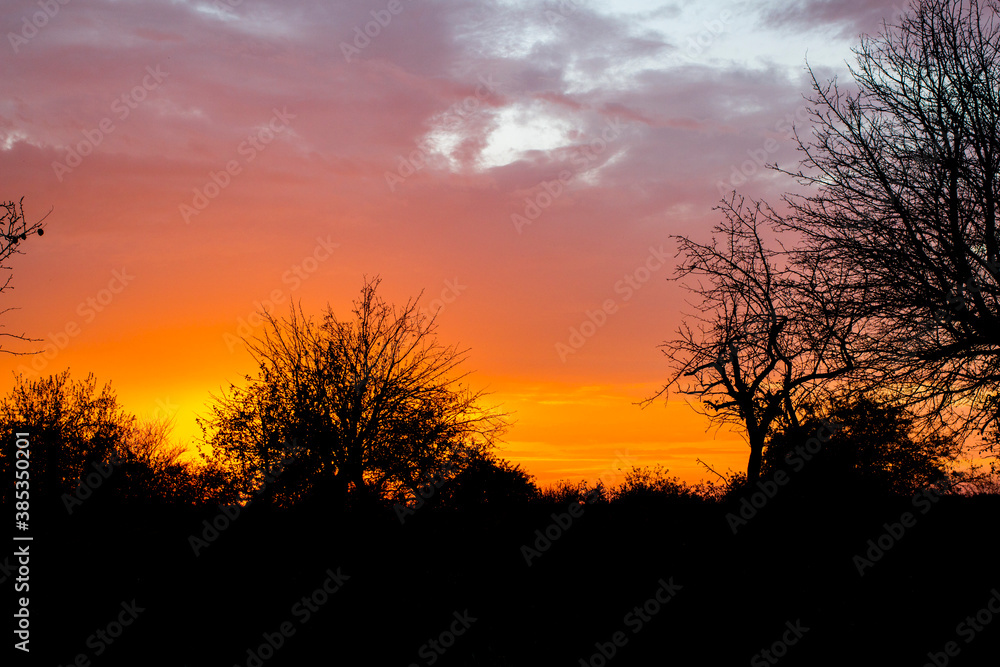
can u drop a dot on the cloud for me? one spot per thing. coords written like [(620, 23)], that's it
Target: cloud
[(845, 18), (375, 94)]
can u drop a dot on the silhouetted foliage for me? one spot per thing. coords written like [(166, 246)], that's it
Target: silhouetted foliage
[(874, 449), (355, 410), (73, 425), (645, 484), (490, 481), (729, 485), (896, 283), (769, 331), (14, 230), (78, 430), (564, 491), (150, 469), (345, 414), (908, 178)]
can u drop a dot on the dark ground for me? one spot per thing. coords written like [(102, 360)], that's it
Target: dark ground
[(792, 563)]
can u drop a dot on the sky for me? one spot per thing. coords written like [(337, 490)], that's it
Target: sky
[(523, 165)]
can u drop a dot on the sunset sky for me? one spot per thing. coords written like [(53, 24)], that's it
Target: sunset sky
[(522, 163)]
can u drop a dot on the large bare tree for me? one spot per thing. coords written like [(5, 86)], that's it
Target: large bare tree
[(906, 176), (770, 328)]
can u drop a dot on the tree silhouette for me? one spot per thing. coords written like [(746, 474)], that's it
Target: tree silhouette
[(907, 172), (876, 448), (149, 468), (358, 409), (73, 426), (771, 329), (643, 485), (77, 429), (14, 230), (486, 480)]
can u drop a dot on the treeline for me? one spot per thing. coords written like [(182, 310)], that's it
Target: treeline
[(87, 449), (826, 535), (879, 277)]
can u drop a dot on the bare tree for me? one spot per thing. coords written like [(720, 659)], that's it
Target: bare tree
[(770, 331), (907, 171), (365, 406), (14, 229)]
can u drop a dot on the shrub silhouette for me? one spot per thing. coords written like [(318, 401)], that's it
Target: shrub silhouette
[(645, 484), (73, 426), (564, 491), (875, 449), (77, 430), (491, 481)]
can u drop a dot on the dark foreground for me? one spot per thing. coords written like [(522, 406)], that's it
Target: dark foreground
[(646, 583)]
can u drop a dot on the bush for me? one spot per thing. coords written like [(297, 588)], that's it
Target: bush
[(644, 484), (488, 481), (875, 448), (564, 492)]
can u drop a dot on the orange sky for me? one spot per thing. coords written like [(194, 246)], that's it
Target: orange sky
[(525, 170)]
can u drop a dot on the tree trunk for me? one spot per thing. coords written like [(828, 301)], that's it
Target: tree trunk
[(756, 457), (753, 465)]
